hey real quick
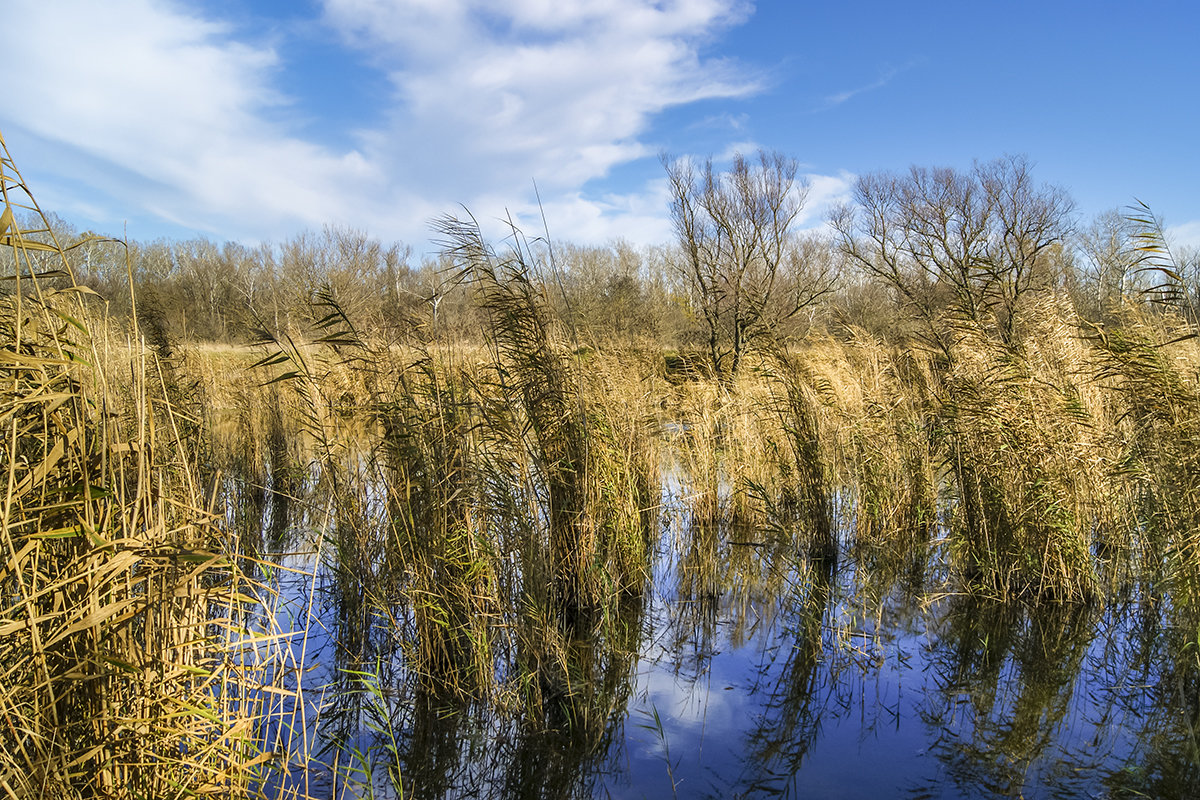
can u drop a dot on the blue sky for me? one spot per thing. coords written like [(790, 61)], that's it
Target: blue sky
[(255, 120)]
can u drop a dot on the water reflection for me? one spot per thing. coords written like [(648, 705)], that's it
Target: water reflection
[(798, 693), (750, 669), (1157, 695), (1005, 681)]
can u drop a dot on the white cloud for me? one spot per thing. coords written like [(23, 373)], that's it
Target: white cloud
[(174, 111), (747, 148), (1186, 234), (518, 91), (162, 111), (825, 192), (638, 217)]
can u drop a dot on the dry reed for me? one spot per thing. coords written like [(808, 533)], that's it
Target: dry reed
[(122, 662)]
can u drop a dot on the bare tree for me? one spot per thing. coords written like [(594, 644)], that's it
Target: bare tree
[(1109, 250), (970, 244), (735, 232)]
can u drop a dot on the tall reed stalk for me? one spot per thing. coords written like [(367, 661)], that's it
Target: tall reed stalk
[(580, 464), (122, 671)]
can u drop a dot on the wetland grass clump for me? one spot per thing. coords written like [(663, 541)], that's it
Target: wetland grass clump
[(362, 575), (705, 412), (472, 505), (795, 403), (431, 452), (620, 392), (534, 380), (1153, 365), (582, 457), (397, 452), (257, 442), (811, 441), (122, 666), (881, 397), (570, 485), (1021, 447), (732, 446)]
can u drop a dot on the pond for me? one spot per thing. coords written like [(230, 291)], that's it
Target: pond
[(749, 669)]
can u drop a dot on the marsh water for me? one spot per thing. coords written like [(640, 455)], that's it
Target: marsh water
[(749, 669)]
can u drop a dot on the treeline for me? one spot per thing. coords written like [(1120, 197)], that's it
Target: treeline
[(200, 290), (913, 248)]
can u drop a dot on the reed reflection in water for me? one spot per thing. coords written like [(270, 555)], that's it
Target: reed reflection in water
[(751, 668)]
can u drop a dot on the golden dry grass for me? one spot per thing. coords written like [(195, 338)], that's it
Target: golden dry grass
[(123, 666)]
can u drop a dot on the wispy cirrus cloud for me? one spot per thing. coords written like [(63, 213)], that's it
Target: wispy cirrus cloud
[(730, 122), (886, 76)]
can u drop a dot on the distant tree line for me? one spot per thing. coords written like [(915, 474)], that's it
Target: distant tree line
[(911, 255)]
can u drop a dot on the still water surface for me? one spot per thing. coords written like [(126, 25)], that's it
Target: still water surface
[(750, 670)]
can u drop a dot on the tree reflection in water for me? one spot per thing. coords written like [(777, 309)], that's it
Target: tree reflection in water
[(768, 672)]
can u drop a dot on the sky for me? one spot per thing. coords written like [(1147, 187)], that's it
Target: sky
[(253, 121)]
